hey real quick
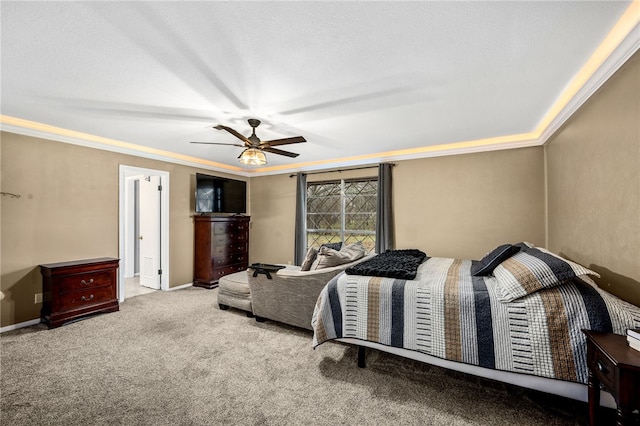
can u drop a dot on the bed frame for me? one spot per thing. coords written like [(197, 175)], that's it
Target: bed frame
[(573, 390)]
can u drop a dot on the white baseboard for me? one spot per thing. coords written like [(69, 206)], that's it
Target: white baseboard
[(37, 321), (180, 287), (20, 325)]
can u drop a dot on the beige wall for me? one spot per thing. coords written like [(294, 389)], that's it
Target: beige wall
[(68, 209), (594, 184), (459, 206), (273, 207), (466, 205)]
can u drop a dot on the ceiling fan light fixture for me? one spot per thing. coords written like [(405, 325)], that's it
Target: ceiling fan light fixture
[(253, 157)]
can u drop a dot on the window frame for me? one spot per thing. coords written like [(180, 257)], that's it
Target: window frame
[(342, 233)]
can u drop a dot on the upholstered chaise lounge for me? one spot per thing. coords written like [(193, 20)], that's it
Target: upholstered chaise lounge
[(288, 295), (291, 294)]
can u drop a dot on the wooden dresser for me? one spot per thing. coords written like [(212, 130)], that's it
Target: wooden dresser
[(221, 248), (75, 289)]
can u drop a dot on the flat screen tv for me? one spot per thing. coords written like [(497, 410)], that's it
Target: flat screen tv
[(220, 195)]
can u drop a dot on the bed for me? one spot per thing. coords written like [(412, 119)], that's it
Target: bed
[(515, 316)]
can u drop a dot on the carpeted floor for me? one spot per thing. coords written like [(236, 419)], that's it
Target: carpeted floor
[(173, 358)]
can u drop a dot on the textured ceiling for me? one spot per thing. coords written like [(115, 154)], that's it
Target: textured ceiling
[(357, 79)]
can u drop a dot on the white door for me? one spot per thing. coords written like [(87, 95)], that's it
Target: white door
[(150, 232)]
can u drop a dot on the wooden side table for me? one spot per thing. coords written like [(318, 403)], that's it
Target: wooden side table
[(616, 366), (79, 288)]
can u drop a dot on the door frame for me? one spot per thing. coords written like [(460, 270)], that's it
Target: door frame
[(127, 172), (129, 254)]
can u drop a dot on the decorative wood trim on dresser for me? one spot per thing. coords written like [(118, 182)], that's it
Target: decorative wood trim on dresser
[(221, 248), (75, 289)]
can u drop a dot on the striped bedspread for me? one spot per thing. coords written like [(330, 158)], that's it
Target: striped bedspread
[(448, 313)]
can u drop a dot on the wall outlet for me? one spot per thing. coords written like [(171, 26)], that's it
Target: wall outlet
[(38, 298)]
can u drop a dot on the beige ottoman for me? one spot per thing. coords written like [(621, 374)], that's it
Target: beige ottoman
[(233, 290)]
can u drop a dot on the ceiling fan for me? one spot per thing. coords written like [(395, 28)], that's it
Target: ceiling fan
[(253, 154)]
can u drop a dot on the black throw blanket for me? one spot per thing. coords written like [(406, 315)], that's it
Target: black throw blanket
[(401, 264)]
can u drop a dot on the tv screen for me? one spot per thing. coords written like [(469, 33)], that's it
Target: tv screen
[(220, 195)]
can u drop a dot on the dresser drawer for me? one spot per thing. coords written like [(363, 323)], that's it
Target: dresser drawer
[(219, 273), (85, 281), (219, 262), (229, 227), (232, 237), (81, 299), (220, 228), (229, 249)]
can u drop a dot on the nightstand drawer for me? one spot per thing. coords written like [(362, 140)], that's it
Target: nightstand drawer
[(81, 299), (602, 366), (81, 282)]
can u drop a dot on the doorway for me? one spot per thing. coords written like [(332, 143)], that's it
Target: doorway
[(143, 230)]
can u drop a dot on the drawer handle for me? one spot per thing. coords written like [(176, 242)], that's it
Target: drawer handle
[(87, 283), (86, 299), (601, 367)]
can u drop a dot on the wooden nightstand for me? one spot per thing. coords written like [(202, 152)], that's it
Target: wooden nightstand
[(76, 289), (616, 366)]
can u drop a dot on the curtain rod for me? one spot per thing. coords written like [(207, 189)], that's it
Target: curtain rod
[(338, 170)]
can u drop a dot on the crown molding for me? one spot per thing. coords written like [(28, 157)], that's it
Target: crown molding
[(621, 43), (27, 128), (37, 130), (612, 63), (401, 155)]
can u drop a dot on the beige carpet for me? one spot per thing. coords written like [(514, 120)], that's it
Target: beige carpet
[(173, 358)]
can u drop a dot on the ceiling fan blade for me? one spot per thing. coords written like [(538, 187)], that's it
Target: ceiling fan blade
[(281, 152), (225, 144), (285, 141), (234, 133)]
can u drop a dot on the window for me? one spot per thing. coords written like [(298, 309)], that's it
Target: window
[(342, 210)]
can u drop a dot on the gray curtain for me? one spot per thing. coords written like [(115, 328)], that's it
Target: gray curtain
[(300, 245), (384, 216)]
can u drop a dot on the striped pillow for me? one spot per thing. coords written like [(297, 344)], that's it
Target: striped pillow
[(488, 263), (533, 269)]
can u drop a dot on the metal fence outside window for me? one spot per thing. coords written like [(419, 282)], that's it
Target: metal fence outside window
[(342, 210)]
